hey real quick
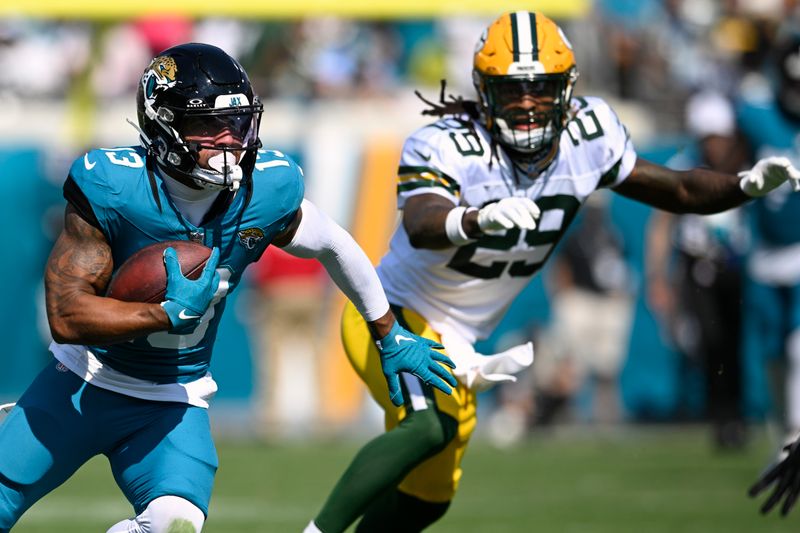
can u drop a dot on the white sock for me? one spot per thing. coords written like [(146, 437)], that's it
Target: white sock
[(163, 515), (312, 528)]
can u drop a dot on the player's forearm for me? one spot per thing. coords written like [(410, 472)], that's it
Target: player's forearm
[(707, 191), (426, 228), (425, 219), (78, 271), (81, 318), (381, 327), (697, 190), (351, 271)]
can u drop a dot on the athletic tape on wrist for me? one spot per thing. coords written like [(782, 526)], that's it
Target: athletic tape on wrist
[(454, 228)]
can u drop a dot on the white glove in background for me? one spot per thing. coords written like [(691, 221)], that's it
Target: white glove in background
[(769, 174), (508, 213)]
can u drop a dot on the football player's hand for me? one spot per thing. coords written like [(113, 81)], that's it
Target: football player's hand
[(186, 301), (768, 174), (402, 351), (508, 213), (785, 476)]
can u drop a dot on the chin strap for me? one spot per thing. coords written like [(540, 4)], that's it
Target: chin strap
[(145, 139), (236, 174)]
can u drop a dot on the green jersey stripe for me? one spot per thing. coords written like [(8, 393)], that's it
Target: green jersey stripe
[(412, 185), (611, 176)]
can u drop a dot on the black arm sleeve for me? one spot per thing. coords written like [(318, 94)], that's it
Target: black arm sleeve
[(74, 195)]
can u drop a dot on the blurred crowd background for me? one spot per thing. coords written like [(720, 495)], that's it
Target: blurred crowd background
[(638, 319)]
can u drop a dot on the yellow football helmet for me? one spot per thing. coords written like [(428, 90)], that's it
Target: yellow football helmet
[(524, 72)]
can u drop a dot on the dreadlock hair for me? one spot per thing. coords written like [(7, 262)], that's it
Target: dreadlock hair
[(456, 107), (450, 105)]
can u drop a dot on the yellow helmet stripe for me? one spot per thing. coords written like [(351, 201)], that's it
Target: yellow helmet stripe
[(523, 31)]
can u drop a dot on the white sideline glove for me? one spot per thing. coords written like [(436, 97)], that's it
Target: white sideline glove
[(499, 367), (514, 212), (768, 174), (481, 372)]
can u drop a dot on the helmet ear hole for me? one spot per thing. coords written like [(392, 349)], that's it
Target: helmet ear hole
[(165, 114)]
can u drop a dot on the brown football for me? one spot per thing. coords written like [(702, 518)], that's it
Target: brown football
[(143, 277)]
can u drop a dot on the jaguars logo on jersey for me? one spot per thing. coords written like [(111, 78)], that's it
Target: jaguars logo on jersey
[(249, 237)]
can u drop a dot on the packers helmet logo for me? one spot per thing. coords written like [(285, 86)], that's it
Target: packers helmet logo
[(161, 74), (249, 237)]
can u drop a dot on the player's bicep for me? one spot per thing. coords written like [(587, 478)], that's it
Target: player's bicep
[(80, 261), (285, 237), (653, 184)]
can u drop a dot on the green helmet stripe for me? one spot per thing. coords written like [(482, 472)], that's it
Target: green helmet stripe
[(523, 29), (515, 37)]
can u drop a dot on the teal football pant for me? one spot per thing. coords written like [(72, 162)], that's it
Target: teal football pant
[(154, 448)]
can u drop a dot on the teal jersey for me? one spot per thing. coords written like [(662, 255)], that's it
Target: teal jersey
[(775, 219), (114, 191)]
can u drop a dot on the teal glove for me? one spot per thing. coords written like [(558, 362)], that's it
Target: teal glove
[(402, 351), (186, 301)]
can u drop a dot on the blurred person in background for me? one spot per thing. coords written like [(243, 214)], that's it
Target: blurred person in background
[(56, 52), (130, 380), (769, 115), (289, 313), (486, 192), (694, 271), (589, 293)]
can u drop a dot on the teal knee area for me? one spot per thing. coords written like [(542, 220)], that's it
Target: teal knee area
[(430, 429)]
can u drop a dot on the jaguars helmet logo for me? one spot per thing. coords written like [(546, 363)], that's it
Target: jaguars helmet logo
[(249, 237), (160, 75)]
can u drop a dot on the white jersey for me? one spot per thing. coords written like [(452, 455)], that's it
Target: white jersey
[(467, 289)]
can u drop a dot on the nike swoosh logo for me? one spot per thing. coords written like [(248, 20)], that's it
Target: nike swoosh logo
[(88, 164), (400, 338), (183, 316), (426, 158)]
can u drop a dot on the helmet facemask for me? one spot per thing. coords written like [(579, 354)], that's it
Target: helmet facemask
[(230, 134), (526, 113)]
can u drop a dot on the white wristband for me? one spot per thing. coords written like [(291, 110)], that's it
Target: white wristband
[(454, 228)]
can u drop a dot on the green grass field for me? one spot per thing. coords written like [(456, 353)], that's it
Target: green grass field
[(639, 481)]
